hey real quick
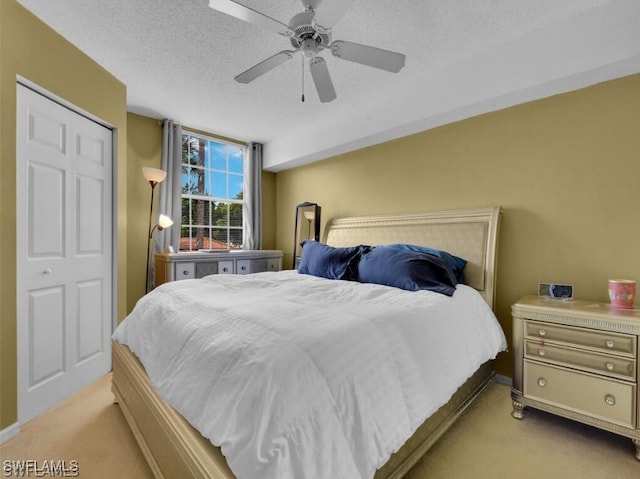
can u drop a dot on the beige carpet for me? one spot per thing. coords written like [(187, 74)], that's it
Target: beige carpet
[(485, 444), (88, 428)]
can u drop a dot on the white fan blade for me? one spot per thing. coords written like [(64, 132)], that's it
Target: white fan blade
[(322, 79), (265, 66), (329, 12), (366, 55), (252, 16)]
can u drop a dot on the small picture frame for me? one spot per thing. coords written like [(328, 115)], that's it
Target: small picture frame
[(555, 291)]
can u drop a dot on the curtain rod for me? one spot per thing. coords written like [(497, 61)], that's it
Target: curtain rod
[(214, 136)]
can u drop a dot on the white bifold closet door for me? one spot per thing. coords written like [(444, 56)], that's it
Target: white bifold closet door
[(64, 251)]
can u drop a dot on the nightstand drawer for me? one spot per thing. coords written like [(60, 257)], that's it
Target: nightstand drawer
[(606, 399), (245, 266), (206, 268), (185, 271), (274, 264), (225, 267), (607, 364), (597, 340)]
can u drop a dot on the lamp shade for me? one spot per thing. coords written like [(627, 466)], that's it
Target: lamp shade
[(155, 175), (164, 221)]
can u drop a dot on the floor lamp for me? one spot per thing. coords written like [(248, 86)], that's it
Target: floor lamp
[(153, 176), (163, 223)]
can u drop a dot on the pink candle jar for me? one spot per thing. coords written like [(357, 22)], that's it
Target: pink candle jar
[(622, 292)]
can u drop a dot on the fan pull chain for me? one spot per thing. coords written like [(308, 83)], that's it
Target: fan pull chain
[(302, 78)]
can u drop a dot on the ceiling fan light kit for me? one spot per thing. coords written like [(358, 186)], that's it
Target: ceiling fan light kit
[(310, 33)]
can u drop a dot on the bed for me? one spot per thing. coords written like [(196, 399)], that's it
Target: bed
[(175, 449)]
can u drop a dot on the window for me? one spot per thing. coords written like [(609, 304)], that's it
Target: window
[(212, 193)]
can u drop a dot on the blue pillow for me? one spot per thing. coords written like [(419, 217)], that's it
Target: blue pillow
[(455, 263), (319, 259), (409, 270)]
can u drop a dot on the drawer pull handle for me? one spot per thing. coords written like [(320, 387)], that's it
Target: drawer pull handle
[(609, 366), (542, 382), (243, 268), (542, 332), (185, 272), (609, 343), (225, 269), (541, 352), (610, 400)]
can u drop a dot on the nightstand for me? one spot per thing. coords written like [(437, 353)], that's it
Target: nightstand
[(577, 359)]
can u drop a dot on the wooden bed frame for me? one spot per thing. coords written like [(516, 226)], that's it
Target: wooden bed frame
[(174, 449)]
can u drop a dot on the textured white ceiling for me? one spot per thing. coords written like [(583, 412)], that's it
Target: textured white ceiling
[(464, 57)]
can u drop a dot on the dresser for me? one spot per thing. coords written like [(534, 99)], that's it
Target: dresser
[(190, 265), (578, 359)]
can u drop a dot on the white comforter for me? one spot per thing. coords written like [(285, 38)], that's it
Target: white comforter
[(295, 376)]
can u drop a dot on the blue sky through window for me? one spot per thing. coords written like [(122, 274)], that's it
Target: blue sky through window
[(224, 179), (223, 170)]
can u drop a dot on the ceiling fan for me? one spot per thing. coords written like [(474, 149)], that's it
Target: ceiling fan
[(310, 33)]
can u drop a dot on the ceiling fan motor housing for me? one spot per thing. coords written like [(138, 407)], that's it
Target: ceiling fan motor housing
[(301, 24)]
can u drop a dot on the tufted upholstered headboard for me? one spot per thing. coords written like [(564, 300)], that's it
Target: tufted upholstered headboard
[(471, 234)]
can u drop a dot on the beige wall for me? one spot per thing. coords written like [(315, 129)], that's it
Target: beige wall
[(565, 169), (32, 50), (144, 148), (269, 213)]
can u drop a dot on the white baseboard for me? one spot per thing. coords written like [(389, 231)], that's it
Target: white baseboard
[(9, 432)]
